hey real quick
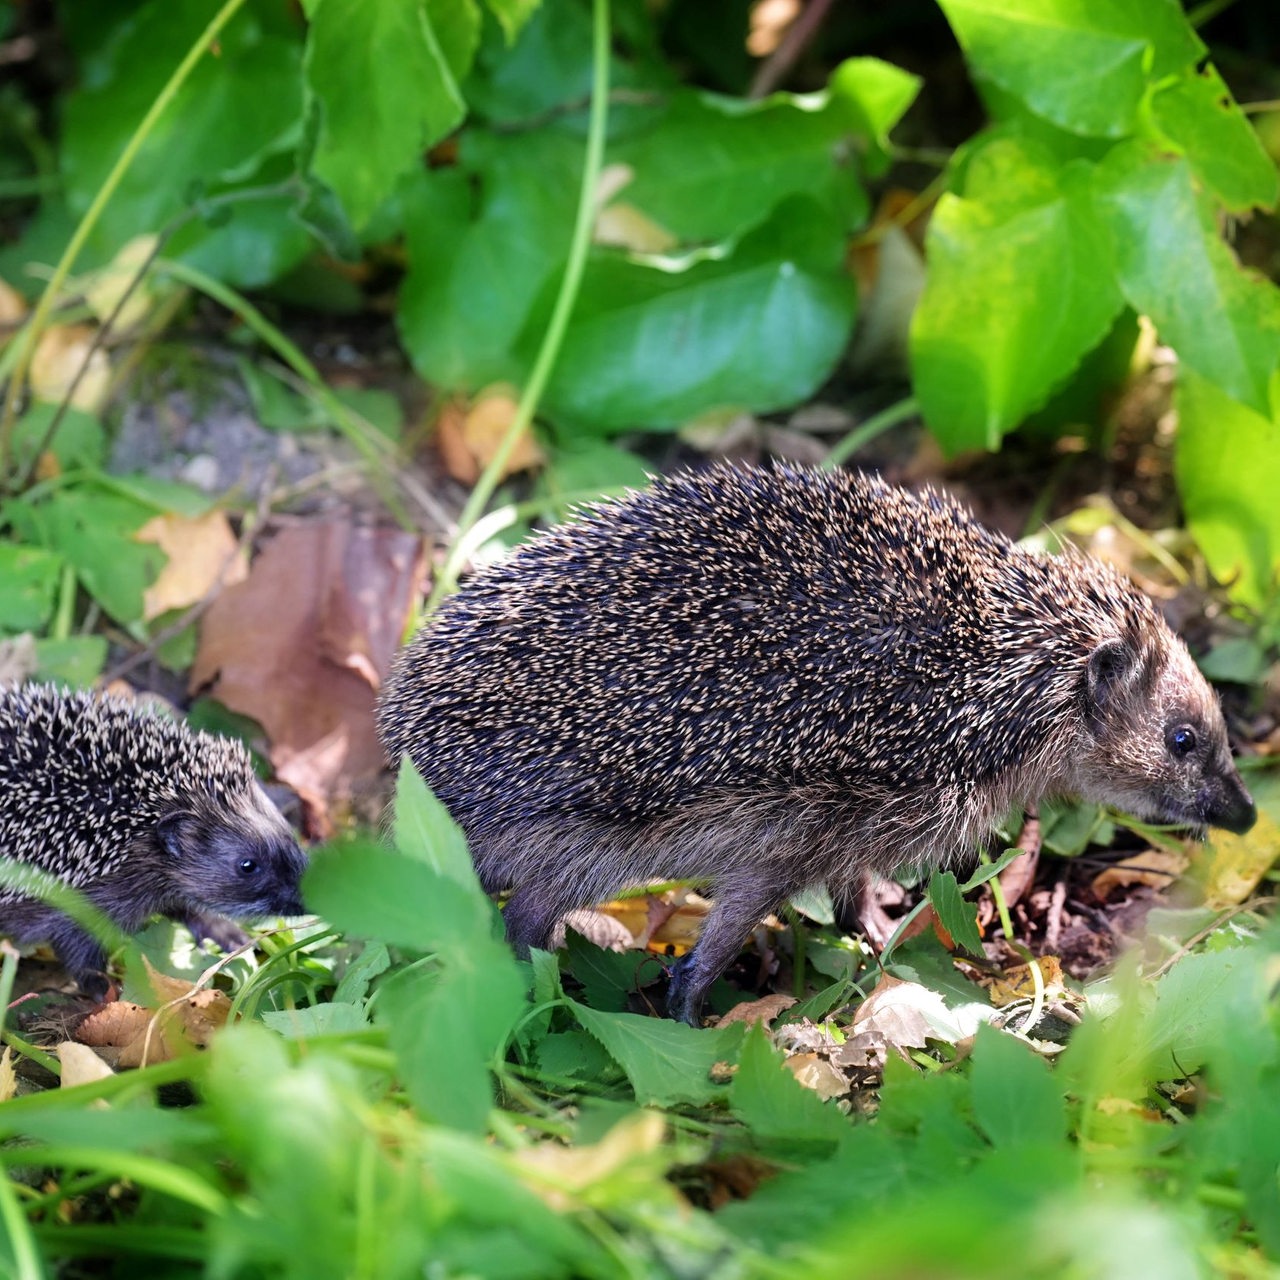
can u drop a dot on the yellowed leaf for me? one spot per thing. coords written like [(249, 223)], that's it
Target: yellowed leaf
[(1230, 866), (105, 287), (626, 227), (469, 435), (816, 1073), (202, 553), (13, 306), (561, 1175), (1156, 868), (61, 351), (8, 1077), (80, 1065), (1018, 983)]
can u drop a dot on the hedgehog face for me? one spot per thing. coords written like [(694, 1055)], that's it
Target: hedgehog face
[(1156, 742), (236, 856)]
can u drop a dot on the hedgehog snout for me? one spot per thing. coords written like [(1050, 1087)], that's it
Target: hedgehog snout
[(1224, 802)]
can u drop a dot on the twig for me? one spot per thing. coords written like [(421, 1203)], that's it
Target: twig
[(778, 64)]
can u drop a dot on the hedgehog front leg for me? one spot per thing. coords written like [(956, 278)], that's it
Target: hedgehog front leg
[(738, 909), (208, 925), (530, 917), (81, 954)]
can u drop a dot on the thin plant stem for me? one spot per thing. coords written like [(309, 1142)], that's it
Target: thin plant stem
[(875, 426), (553, 340)]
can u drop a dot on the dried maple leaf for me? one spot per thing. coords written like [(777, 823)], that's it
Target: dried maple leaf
[(302, 644)]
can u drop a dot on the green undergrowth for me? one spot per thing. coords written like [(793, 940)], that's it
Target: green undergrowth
[(404, 1098)]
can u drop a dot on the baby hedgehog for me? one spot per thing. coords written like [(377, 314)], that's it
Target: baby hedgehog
[(139, 813), (770, 679)]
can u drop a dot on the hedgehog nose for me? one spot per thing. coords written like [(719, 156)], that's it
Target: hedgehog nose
[(1233, 809)]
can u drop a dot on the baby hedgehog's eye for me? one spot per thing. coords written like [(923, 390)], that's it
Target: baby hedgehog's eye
[(248, 866), (1182, 740)]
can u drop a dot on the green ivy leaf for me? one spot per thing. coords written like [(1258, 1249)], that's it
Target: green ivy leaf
[(1228, 470), (1016, 1101), (1223, 323), (651, 347), (1198, 115), (711, 168), (1083, 64), (666, 1062), (774, 1105), (424, 829), (956, 915), (29, 578), (385, 91), (1019, 290)]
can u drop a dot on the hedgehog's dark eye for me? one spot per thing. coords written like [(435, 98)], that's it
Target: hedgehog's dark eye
[(248, 866), (1182, 740)]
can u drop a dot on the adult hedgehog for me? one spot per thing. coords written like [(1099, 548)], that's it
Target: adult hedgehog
[(768, 679), (139, 813)]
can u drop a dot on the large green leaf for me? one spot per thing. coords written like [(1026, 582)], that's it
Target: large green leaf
[(1223, 322), (1084, 64), (1197, 113), (1228, 470), (1019, 291), (713, 167), (385, 89), (239, 106), (650, 346), (29, 579), (484, 239)]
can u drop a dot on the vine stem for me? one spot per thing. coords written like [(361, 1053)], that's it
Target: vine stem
[(32, 329), (552, 341)]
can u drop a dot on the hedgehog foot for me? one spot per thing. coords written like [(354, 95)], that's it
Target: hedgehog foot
[(208, 926), (734, 916)]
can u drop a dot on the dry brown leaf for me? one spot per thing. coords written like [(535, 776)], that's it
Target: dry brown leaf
[(1156, 868), (113, 1025), (80, 1065), (302, 644), (202, 552), (468, 436), (816, 1073), (763, 1010), (62, 349)]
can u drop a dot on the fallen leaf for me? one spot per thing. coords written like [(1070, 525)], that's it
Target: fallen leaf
[(468, 435), (1156, 868), (8, 1077), (202, 553), (906, 1015), (59, 354), (113, 1025), (1230, 867), (624, 226), (599, 928), (80, 1065), (763, 1010), (1018, 982), (816, 1073), (104, 288), (559, 1172), (13, 306), (302, 644)]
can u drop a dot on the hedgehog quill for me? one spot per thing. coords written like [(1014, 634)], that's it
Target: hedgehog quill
[(771, 679), (142, 815)]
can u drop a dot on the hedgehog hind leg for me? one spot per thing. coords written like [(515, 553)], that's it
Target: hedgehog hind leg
[(530, 917), (737, 911)]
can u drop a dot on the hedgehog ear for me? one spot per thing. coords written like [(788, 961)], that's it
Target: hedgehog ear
[(172, 833), (1112, 668)]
